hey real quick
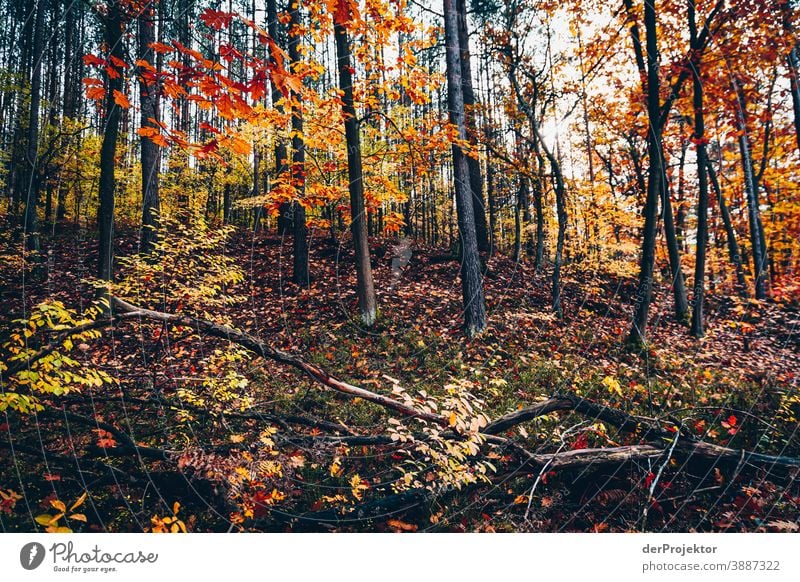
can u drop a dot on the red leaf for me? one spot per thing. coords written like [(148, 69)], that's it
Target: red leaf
[(216, 19), (92, 60)]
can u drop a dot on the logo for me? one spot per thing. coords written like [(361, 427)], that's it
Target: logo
[(31, 555)]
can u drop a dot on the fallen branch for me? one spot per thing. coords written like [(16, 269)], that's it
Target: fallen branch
[(258, 347), (649, 429)]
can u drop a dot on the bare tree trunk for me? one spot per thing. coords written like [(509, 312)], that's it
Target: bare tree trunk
[(150, 153), (32, 180), (112, 112), (793, 64), (702, 177), (281, 156), (751, 189), (366, 290), (300, 236), (475, 178), (678, 283), (733, 246), (656, 177), (471, 282)]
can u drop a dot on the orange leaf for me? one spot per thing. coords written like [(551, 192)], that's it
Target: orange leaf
[(121, 100), (160, 47), (401, 525), (240, 146), (119, 63)]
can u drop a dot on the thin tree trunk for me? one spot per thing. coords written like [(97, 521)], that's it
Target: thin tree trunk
[(751, 190), (471, 283), (300, 273), (678, 283), (522, 201), (150, 152), (285, 220), (475, 178), (656, 177), (32, 180), (733, 246), (108, 150), (702, 199), (366, 290)]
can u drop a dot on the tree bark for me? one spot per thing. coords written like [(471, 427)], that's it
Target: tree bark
[(655, 179), (475, 177), (366, 290), (150, 152), (281, 155), (758, 249), (108, 150), (678, 282), (300, 273), (471, 282), (733, 246), (697, 327), (32, 181)]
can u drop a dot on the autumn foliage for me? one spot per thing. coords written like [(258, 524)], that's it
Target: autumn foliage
[(502, 265)]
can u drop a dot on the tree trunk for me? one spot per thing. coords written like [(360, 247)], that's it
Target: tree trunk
[(150, 152), (793, 64), (281, 156), (733, 246), (522, 200), (471, 283), (366, 290), (108, 150), (678, 283), (794, 71), (702, 177), (475, 178), (751, 189), (655, 180), (32, 180), (300, 236)]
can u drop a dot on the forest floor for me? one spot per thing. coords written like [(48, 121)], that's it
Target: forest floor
[(737, 387)]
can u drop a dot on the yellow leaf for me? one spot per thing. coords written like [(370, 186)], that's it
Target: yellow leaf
[(78, 517), (336, 467), (59, 505), (612, 384), (453, 419), (43, 519)]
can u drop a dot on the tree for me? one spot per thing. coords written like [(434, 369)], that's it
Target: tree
[(150, 151), (648, 64), (367, 301), (471, 283), (299, 232), (702, 178), (475, 177), (758, 244), (31, 181), (112, 109), (280, 154)]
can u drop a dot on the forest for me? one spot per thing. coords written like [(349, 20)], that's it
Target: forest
[(399, 266)]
